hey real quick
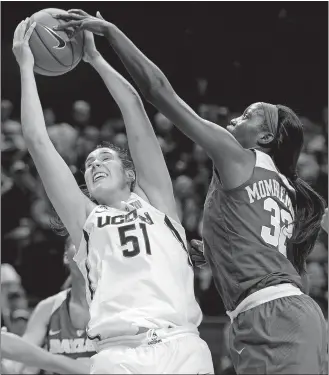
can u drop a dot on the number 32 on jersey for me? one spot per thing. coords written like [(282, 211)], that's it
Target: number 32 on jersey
[(281, 226)]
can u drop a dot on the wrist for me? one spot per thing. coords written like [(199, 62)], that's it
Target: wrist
[(26, 68), (109, 29), (94, 58)]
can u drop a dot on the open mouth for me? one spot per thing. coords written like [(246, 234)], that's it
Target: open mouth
[(99, 175)]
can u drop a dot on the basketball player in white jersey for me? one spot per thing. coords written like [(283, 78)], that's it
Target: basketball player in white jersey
[(58, 323), (139, 280)]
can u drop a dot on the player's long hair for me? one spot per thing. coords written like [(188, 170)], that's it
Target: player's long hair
[(56, 223), (309, 208)]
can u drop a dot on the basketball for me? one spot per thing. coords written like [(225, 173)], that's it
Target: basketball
[(54, 53)]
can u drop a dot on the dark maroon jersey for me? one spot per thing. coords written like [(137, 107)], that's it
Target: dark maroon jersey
[(62, 337), (245, 232)]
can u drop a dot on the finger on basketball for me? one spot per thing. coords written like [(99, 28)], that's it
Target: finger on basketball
[(66, 25), (29, 31), (79, 12), (98, 15), (69, 16), (75, 32), (16, 33), (19, 32)]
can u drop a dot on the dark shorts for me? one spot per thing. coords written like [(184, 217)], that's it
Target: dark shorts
[(284, 336)]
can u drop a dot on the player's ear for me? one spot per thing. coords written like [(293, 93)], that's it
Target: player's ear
[(265, 139), (131, 176)]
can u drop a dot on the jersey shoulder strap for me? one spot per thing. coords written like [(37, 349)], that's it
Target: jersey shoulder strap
[(59, 299)]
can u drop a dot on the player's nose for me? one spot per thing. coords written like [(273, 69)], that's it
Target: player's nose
[(96, 163)]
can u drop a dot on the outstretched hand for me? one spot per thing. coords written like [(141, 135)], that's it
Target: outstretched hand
[(21, 47), (89, 50), (81, 20), (196, 254)]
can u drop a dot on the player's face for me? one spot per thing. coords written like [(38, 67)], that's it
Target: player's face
[(104, 174), (246, 128)]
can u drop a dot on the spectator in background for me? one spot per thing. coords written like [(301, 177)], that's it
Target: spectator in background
[(182, 164), (81, 114), (6, 110), (14, 304), (13, 139), (91, 133), (107, 132), (192, 213), (19, 319), (121, 140), (188, 203), (203, 171), (308, 168), (6, 182), (214, 113), (116, 124), (19, 239), (64, 138), (165, 134)]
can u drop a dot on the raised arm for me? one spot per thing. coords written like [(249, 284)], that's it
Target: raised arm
[(64, 193), (152, 174), (220, 145)]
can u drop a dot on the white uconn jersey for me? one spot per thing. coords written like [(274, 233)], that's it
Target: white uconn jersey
[(137, 271)]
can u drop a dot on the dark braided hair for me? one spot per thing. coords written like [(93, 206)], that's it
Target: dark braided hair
[(309, 208)]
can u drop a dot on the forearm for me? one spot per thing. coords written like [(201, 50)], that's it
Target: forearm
[(15, 348), (121, 90), (145, 73), (33, 123), (158, 91), (140, 133)]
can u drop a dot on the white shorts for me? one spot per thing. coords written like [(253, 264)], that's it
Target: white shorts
[(184, 353)]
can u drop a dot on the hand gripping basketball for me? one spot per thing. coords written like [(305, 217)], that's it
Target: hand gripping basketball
[(89, 50), (21, 48), (80, 20), (196, 254)]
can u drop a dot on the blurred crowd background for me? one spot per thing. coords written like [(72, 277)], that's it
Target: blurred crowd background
[(220, 65)]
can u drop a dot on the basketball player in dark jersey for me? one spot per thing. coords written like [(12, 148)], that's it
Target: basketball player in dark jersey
[(58, 322), (260, 219)]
